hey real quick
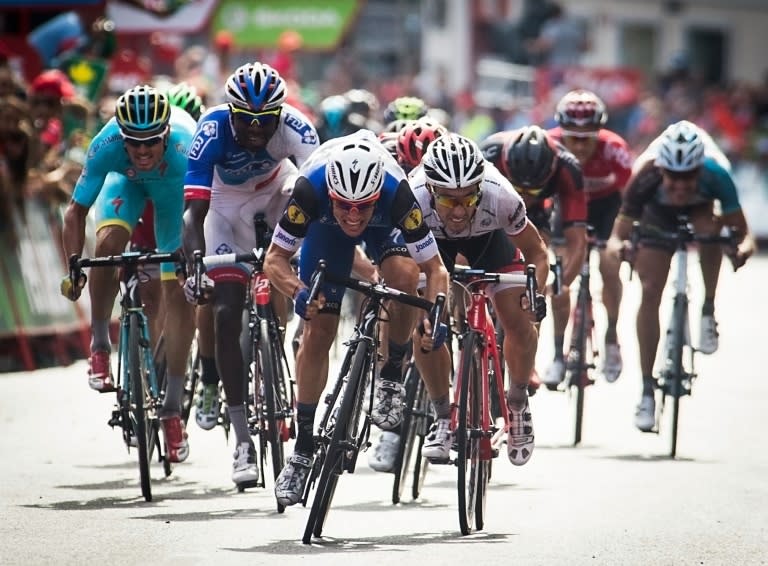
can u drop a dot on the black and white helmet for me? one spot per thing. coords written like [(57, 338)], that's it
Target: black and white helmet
[(681, 147), (355, 171), (453, 161)]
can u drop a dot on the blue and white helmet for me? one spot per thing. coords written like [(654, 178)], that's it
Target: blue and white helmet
[(681, 147), (255, 87)]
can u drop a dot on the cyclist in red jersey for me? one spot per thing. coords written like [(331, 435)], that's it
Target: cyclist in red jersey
[(542, 169), (606, 165)]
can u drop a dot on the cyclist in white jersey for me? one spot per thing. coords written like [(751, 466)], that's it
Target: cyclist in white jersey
[(239, 165)]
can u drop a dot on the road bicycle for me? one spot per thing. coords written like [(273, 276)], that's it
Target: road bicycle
[(344, 429), (583, 352), (137, 386), (675, 380), (478, 434), (270, 388)]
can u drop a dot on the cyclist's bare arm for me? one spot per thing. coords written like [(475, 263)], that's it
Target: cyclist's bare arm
[(437, 277), (575, 251), (746, 245), (73, 233), (193, 236), (277, 266), (534, 250)]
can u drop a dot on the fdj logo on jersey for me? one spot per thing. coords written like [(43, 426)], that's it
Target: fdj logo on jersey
[(207, 132)]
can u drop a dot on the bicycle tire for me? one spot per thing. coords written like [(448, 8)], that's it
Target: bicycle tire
[(270, 374), (578, 377), (407, 432), (138, 390), (342, 438), (191, 379), (676, 370), (467, 437)]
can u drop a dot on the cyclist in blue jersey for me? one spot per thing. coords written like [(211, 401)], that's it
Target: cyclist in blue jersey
[(241, 163), (351, 191), (680, 178), (139, 154)]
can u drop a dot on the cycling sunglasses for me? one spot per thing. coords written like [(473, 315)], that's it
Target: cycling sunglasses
[(681, 175), (451, 202), (581, 135), (347, 206), (151, 141), (258, 119)]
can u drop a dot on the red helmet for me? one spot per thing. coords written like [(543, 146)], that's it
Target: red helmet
[(581, 108), (415, 137)]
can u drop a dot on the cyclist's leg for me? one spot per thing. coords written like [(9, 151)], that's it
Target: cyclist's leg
[(118, 208), (710, 258), (208, 408)]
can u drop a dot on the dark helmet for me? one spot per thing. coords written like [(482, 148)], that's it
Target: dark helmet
[(529, 158), (142, 110)]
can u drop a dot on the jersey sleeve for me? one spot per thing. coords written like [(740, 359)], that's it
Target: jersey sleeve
[(100, 162), (301, 210), (570, 190), (203, 155), (640, 190), (408, 216)]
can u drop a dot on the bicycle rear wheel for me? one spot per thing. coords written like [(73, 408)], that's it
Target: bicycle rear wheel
[(191, 379), (578, 377), (468, 433), (408, 430), (141, 427), (346, 437)]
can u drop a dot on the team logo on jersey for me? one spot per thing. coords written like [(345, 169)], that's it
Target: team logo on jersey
[(295, 214), (207, 132), (413, 219), (309, 137)]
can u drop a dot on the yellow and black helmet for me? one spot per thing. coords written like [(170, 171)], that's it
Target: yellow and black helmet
[(142, 110)]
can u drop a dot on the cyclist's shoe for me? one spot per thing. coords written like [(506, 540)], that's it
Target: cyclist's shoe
[(100, 372), (290, 484), (176, 445), (388, 408), (645, 416), (207, 413), (612, 363), (437, 443), (383, 456), (244, 468), (520, 436), (555, 374), (708, 338)]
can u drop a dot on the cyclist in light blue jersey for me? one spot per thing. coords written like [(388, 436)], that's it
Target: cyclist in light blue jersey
[(139, 154), (241, 163)]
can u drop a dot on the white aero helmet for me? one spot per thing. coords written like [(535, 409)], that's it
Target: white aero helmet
[(453, 161), (355, 171), (681, 147)]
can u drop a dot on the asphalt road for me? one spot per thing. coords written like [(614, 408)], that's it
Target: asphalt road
[(70, 494)]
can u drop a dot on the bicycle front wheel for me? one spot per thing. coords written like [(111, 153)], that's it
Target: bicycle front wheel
[(408, 430), (675, 370), (345, 438), (468, 433), (138, 395), (271, 375)]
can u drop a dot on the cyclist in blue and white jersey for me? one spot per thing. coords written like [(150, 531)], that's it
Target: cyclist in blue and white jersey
[(139, 154), (352, 191), (681, 178), (241, 163)]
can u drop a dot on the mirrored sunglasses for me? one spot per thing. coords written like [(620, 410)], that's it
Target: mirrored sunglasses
[(467, 201), (347, 206), (580, 135), (138, 142), (258, 119), (681, 175)]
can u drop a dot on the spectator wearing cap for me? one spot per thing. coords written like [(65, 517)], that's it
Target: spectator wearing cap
[(47, 92)]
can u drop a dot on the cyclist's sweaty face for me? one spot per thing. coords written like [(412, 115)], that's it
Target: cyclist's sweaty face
[(680, 186), (456, 207), (146, 152), (580, 142), (253, 130), (353, 218)]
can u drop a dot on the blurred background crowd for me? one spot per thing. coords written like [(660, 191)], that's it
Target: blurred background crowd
[(481, 66)]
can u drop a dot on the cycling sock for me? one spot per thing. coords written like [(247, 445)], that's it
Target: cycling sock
[(517, 395), (305, 421), (100, 341), (559, 341), (611, 336), (649, 384), (210, 375), (239, 423), (174, 389), (392, 370), (708, 308), (442, 406)]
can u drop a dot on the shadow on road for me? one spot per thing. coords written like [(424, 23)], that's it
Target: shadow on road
[(328, 545)]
